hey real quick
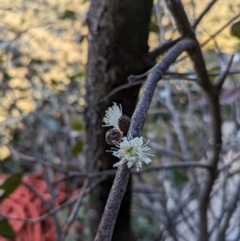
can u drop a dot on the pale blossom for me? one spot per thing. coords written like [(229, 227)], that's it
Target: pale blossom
[(112, 115), (132, 151)]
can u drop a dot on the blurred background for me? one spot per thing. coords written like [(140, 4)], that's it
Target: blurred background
[(43, 57)]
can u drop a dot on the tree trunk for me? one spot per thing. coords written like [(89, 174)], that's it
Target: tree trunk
[(118, 35)]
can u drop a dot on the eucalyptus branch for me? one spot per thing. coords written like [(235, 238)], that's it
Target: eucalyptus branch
[(106, 227)]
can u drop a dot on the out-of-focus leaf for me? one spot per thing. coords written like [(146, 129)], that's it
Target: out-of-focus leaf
[(77, 148), (6, 230), (77, 125), (81, 74), (180, 176), (68, 14), (154, 28), (235, 29), (10, 184), (215, 68)]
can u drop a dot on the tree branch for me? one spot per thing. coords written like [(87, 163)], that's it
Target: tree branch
[(162, 48), (220, 80), (106, 227)]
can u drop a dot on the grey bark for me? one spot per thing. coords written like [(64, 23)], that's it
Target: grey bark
[(118, 33)]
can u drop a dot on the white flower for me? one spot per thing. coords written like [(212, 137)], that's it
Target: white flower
[(132, 151), (112, 115)]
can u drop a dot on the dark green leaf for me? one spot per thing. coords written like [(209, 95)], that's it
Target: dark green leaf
[(180, 176), (6, 230), (68, 14), (77, 125), (11, 184), (154, 28), (235, 29), (77, 148)]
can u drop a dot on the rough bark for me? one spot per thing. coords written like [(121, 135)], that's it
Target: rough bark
[(118, 33)]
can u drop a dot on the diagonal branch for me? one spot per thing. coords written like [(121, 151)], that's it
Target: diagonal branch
[(162, 48), (221, 29), (205, 11), (220, 80), (168, 44), (106, 227), (74, 212)]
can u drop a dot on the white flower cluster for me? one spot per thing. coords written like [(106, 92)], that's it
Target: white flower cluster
[(112, 115), (131, 150)]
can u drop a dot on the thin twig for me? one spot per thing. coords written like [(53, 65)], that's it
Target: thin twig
[(232, 205), (72, 216), (162, 48), (174, 165), (220, 80), (205, 11), (221, 29)]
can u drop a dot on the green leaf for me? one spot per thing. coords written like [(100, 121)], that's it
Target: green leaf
[(180, 176), (68, 14), (235, 29), (77, 148), (77, 125), (10, 185), (6, 230), (154, 27)]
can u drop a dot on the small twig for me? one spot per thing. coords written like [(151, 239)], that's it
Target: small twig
[(121, 87), (133, 78), (174, 165), (162, 48), (213, 73), (232, 205), (49, 177), (75, 209), (166, 151), (167, 76), (220, 80), (206, 10), (221, 29), (107, 173)]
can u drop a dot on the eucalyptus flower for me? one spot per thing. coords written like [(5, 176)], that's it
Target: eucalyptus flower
[(112, 115), (132, 151)]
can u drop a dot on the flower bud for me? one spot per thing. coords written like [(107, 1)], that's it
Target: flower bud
[(113, 135), (124, 123)]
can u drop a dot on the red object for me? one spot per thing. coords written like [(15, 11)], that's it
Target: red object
[(23, 203)]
